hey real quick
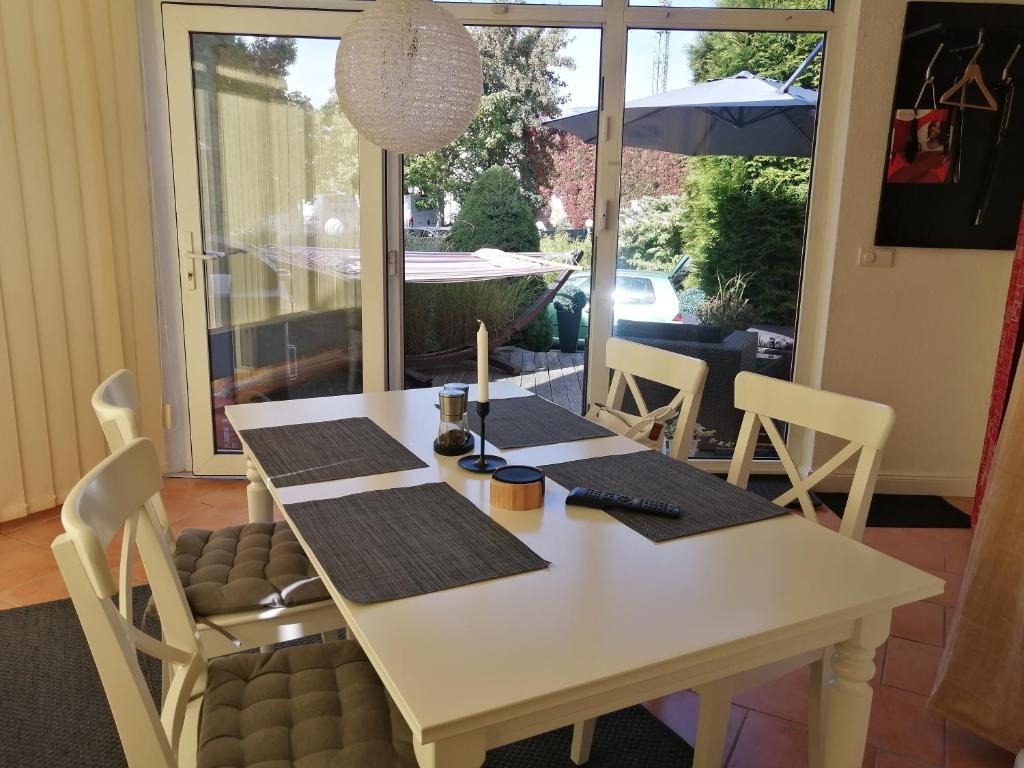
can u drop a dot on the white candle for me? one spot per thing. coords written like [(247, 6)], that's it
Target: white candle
[(482, 365)]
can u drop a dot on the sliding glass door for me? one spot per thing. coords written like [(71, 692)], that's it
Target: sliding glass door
[(280, 216), (515, 184)]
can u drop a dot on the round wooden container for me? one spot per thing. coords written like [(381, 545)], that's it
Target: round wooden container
[(517, 487)]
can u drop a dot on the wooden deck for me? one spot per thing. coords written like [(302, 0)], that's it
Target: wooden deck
[(555, 376)]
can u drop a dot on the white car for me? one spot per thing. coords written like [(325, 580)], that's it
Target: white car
[(639, 295)]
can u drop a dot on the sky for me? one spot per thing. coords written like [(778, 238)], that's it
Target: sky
[(313, 70)]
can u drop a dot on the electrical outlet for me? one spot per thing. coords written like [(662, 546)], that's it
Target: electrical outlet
[(875, 257)]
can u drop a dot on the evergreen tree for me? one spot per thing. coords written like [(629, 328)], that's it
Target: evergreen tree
[(495, 214)]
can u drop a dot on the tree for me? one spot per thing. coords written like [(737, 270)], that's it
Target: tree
[(745, 215), (495, 214), (645, 173), (520, 86), (651, 233)]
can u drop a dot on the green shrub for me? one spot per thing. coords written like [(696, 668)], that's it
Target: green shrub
[(430, 244), (571, 300), (690, 299), (538, 336), (559, 241), (651, 233), (728, 307), (441, 316), (746, 215), (495, 214)]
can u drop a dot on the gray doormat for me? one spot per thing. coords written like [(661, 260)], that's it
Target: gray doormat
[(319, 451), (525, 422), (402, 542), (707, 502), (55, 714)]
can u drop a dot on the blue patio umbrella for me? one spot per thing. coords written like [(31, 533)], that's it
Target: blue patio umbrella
[(740, 115)]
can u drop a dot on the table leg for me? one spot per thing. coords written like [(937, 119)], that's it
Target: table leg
[(849, 693), (464, 751), (261, 504), (582, 740)]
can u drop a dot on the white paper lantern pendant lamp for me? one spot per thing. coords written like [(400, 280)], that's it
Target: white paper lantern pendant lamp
[(408, 75)]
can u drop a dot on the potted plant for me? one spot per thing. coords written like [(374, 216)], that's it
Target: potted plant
[(728, 308), (569, 304)]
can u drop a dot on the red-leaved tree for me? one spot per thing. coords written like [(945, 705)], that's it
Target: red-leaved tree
[(645, 173)]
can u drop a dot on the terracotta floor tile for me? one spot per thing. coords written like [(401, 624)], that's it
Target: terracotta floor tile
[(945, 535), (829, 519), (922, 621), (956, 556), (968, 750), (918, 552), (770, 742), (880, 653), (40, 589), (23, 563), (38, 532), (911, 666), (785, 697), (209, 518), (952, 592), (226, 492), (900, 724), (8, 525), (5, 605), (679, 712), (890, 760), (950, 613)]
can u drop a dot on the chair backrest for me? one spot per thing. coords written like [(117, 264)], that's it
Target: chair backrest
[(114, 497), (685, 374), (115, 403), (863, 424)]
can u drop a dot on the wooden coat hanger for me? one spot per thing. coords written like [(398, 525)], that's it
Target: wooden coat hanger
[(972, 74)]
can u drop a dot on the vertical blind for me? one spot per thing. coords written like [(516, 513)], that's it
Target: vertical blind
[(77, 294)]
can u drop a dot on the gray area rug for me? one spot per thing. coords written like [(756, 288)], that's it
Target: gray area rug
[(54, 713)]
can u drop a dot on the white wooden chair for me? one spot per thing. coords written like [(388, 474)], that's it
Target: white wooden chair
[(865, 426), (628, 360), (115, 496), (115, 402)]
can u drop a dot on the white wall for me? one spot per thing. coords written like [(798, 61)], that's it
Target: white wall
[(922, 335)]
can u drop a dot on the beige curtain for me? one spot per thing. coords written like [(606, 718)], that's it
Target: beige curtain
[(981, 678), (77, 295)]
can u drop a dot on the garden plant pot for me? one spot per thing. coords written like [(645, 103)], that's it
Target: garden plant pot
[(568, 329)]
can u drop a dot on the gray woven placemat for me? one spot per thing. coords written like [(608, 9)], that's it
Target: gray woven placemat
[(400, 542), (315, 452), (524, 422), (708, 502)]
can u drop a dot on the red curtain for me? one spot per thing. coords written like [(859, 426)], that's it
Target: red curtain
[(1006, 364)]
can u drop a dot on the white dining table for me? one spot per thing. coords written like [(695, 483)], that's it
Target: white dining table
[(616, 619)]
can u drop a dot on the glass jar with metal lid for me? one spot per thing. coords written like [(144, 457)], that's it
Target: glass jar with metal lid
[(453, 435)]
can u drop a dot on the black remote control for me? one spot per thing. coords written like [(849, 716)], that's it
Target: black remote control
[(588, 497)]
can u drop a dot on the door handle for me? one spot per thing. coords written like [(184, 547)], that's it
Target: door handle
[(206, 255)]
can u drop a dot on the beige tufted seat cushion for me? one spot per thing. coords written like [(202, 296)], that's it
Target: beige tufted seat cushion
[(245, 567), (310, 706)]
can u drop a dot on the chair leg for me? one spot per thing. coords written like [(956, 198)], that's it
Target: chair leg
[(582, 739), (712, 726), (817, 706)]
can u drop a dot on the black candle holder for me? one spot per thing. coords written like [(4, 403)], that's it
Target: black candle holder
[(484, 462)]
